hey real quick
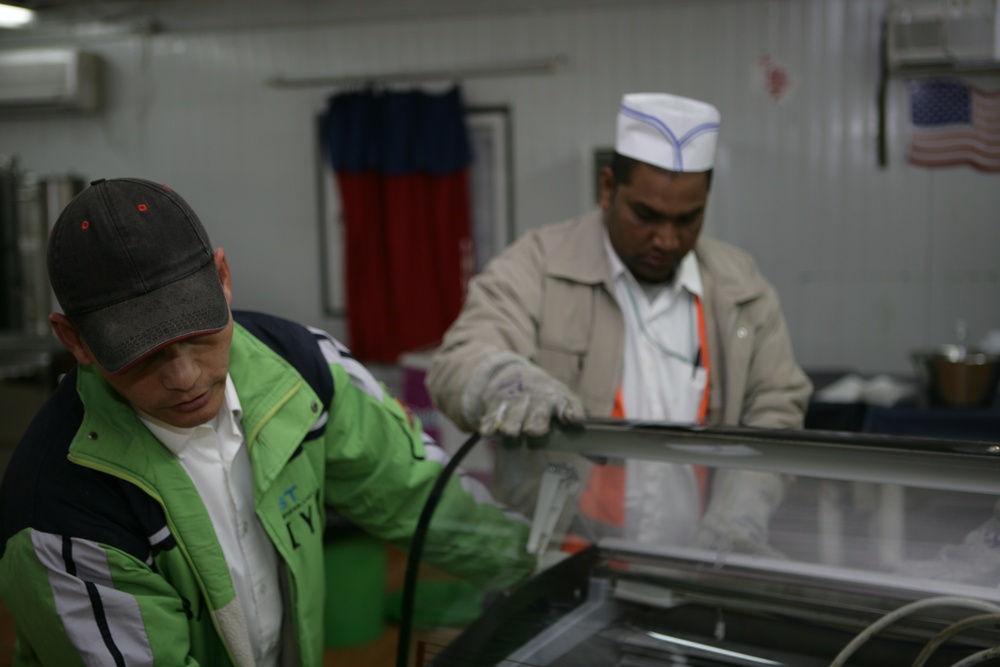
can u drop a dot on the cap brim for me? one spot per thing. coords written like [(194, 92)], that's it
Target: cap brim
[(122, 334)]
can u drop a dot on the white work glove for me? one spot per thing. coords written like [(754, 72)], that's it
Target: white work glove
[(509, 396), (739, 512), (976, 560)]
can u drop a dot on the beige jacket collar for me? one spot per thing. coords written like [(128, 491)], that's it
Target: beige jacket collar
[(582, 259)]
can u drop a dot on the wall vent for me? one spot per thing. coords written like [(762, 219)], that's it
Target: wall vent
[(956, 34)]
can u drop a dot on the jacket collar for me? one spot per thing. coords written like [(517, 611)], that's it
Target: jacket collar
[(274, 399), (730, 284), (580, 257)]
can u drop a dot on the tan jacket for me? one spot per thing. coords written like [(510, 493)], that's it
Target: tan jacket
[(549, 297)]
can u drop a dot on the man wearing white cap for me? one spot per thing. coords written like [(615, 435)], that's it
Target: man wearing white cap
[(628, 311)]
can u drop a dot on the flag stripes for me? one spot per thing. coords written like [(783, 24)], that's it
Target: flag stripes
[(953, 124)]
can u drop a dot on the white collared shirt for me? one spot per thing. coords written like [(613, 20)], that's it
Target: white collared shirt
[(215, 457), (661, 377), (661, 380)]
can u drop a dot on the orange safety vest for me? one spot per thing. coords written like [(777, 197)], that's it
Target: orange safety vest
[(603, 499)]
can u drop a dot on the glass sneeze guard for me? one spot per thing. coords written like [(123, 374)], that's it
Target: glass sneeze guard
[(813, 535)]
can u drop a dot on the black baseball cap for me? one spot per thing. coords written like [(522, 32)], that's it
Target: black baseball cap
[(134, 271)]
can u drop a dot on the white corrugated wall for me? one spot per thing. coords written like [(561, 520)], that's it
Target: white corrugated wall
[(870, 261)]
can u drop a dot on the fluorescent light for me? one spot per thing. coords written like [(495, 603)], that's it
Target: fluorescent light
[(15, 17), (712, 649)]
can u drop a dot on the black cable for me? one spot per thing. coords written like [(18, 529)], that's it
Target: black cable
[(417, 546)]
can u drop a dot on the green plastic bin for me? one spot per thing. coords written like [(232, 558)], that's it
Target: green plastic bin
[(354, 612)]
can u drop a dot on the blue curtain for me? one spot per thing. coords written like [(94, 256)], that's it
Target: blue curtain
[(397, 132)]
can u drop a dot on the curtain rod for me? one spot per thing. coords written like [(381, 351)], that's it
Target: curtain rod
[(524, 67)]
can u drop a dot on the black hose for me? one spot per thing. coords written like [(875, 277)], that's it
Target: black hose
[(417, 546)]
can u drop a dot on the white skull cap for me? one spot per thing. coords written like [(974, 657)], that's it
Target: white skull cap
[(668, 131)]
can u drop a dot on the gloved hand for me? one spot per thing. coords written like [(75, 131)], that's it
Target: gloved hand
[(976, 560), (740, 510), (509, 396)]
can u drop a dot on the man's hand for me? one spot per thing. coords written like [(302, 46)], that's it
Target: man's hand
[(515, 398), (740, 512)]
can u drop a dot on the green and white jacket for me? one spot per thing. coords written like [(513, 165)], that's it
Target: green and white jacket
[(108, 556)]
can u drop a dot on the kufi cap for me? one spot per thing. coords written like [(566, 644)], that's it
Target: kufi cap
[(668, 131), (133, 270)]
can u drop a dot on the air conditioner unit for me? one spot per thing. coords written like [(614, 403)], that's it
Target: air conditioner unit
[(49, 80), (956, 34)]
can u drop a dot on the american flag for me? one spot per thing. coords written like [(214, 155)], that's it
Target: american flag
[(952, 124)]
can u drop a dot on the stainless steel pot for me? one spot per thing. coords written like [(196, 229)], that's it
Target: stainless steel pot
[(957, 376)]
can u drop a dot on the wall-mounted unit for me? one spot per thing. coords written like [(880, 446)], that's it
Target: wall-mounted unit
[(947, 34), (45, 80)]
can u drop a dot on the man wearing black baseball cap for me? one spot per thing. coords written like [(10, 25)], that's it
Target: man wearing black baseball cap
[(134, 272), (166, 504)]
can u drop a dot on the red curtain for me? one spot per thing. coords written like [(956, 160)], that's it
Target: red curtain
[(401, 163)]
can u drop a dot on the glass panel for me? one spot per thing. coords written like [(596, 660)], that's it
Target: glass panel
[(730, 546)]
